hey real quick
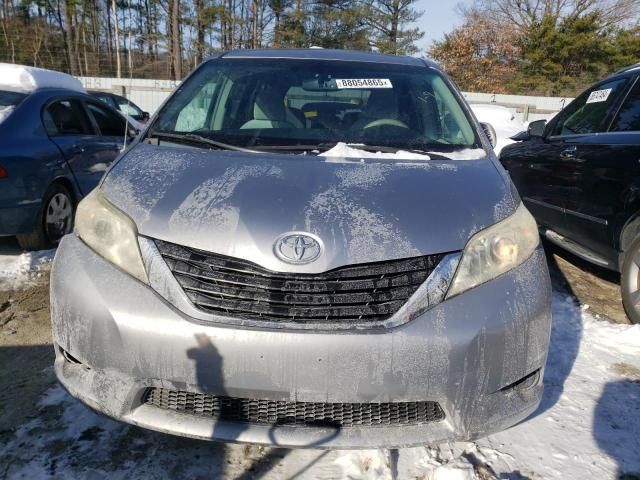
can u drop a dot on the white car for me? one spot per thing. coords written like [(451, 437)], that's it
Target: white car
[(503, 121)]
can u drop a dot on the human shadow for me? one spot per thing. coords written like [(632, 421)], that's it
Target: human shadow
[(210, 380), (233, 417), (616, 422), (566, 333)]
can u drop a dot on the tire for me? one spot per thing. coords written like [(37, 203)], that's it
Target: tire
[(630, 281), (54, 220)]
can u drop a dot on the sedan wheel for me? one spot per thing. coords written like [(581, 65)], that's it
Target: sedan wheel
[(54, 220), (58, 217), (630, 281)]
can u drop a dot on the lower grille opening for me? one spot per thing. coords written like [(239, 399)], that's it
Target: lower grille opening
[(278, 412)]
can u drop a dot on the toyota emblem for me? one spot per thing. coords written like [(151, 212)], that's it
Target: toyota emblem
[(297, 248)]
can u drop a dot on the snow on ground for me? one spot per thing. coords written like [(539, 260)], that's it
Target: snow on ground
[(587, 427), (18, 269)]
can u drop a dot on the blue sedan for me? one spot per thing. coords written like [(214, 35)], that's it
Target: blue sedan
[(55, 145)]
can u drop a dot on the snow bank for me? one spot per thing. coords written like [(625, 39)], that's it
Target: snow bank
[(28, 79), (17, 270), (502, 120)]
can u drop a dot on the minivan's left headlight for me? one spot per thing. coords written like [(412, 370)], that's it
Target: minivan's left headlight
[(110, 233), (496, 250)]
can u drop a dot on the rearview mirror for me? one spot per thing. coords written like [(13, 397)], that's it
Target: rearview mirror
[(319, 84), (536, 129), (490, 133)]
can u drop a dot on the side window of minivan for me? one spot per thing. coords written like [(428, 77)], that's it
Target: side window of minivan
[(66, 117), (628, 118), (586, 113)]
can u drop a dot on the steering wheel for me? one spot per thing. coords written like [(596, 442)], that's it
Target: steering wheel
[(386, 121)]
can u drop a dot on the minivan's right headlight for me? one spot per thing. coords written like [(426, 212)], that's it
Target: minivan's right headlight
[(110, 233), (496, 250)]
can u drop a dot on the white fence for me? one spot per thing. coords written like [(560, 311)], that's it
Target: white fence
[(149, 95), (527, 108)]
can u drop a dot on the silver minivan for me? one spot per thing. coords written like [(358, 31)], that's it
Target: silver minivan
[(306, 248)]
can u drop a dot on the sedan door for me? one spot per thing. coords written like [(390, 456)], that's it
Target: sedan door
[(533, 168), (111, 140), (71, 129)]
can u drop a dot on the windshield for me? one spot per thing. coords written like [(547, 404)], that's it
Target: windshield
[(124, 105), (316, 104)]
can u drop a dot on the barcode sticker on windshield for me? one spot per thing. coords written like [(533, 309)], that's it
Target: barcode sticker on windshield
[(363, 83), (599, 95)]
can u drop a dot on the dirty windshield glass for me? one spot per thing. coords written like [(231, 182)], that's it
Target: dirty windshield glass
[(315, 104)]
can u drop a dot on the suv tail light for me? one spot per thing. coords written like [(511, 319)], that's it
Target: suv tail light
[(3, 172)]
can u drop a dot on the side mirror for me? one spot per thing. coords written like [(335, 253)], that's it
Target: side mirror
[(490, 132), (145, 116), (132, 132), (536, 129), (521, 136)]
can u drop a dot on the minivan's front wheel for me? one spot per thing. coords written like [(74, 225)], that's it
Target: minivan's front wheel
[(55, 220), (630, 281)]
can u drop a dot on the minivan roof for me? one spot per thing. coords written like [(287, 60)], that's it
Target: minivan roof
[(328, 54)]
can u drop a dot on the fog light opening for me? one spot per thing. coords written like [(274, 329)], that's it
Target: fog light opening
[(68, 357), (524, 383)]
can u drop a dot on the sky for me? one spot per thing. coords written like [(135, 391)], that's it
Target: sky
[(439, 18)]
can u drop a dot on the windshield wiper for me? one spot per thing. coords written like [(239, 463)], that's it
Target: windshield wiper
[(193, 138)]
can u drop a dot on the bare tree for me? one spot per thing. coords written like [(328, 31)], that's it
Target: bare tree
[(116, 34), (527, 13), (176, 51), (68, 34)]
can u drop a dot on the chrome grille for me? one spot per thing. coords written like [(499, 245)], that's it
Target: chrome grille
[(241, 289)]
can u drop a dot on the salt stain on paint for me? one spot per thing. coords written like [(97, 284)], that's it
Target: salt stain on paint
[(365, 233), (205, 206), (137, 184)]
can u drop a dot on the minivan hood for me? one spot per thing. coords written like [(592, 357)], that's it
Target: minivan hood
[(238, 204)]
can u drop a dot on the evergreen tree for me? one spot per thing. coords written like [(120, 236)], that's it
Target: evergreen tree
[(390, 20), (562, 59)]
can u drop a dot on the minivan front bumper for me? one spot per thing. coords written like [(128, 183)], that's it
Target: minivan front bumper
[(115, 338)]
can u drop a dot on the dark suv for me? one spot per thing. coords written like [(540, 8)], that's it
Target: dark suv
[(579, 175)]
